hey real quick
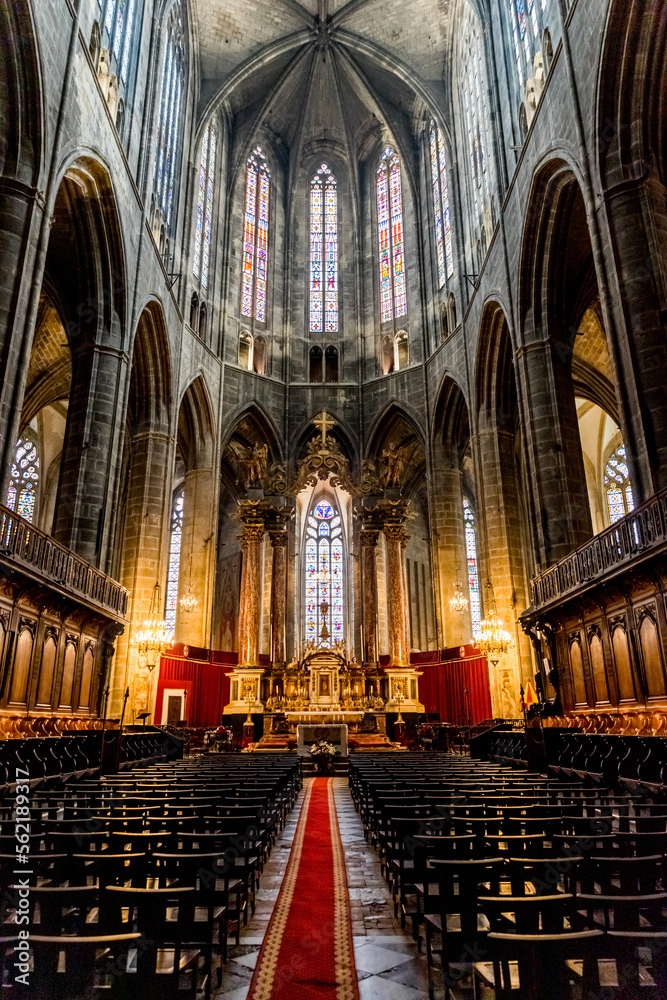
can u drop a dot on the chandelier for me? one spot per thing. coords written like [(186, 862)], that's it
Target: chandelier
[(154, 638), (494, 640), (188, 603), (458, 603)]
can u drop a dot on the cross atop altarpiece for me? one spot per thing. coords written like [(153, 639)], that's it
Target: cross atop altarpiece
[(324, 423)]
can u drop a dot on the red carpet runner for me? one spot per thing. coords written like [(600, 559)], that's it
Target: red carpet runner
[(308, 952)]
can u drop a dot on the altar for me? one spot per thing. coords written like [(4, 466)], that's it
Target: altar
[(308, 734)]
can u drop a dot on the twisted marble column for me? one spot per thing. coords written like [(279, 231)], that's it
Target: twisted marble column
[(251, 589), (397, 602)]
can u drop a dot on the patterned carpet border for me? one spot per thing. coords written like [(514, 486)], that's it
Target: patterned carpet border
[(308, 949)]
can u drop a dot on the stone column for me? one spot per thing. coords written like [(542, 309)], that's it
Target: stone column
[(399, 654), (278, 594), (369, 593), (249, 614)]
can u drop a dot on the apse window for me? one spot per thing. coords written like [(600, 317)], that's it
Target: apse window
[(324, 576), (22, 489), (323, 252), (256, 237), (391, 243), (620, 500)]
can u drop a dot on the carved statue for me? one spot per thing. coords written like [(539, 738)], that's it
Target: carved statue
[(395, 460), (253, 462), (539, 74), (104, 72), (531, 99)]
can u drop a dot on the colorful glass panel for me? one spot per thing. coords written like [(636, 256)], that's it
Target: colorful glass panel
[(171, 603), (620, 499), (437, 207), (324, 575), (168, 125), (316, 215), (393, 295), (443, 229), (204, 218), (22, 489), (473, 572), (474, 106), (256, 238)]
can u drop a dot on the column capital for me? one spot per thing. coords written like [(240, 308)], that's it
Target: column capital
[(369, 536), (279, 537), (396, 533), (251, 533)]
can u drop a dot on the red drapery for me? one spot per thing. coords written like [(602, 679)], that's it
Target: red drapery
[(208, 675)]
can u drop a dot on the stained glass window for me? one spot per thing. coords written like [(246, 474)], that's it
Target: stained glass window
[(391, 244), (22, 489), (204, 219), (473, 570), (176, 538), (169, 120), (255, 237), (443, 229), (118, 18), (475, 111), (618, 487), (323, 252), (524, 17), (324, 576)]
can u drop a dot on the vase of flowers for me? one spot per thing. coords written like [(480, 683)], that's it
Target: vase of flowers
[(323, 754)]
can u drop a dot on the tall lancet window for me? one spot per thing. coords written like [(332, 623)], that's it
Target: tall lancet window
[(443, 227), (473, 569), (256, 237), (118, 18), (324, 581), (169, 120), (22, 489), (393, 294), (620, 500), (204, 220), (176, 538), (525, 21), (323, 252), (475, 112)]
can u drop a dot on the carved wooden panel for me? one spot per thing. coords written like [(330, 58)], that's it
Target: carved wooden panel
[(651, 652), (67, 682), (46, 671), (86, 677), (622, 661), (599, 673), (21, 672), (577, 668)]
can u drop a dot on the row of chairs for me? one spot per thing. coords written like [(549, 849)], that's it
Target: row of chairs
[(138, 880), (516, 883)]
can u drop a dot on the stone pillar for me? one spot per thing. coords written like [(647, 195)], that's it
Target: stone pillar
[(556, 463), (397, 599), (278, 594), (369, 593), (249, 613), (87, 462), (21, 267)]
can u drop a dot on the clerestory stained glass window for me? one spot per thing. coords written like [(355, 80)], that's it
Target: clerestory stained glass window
[(443, 229), (475, 111), (393, 294), (473, 569), (524, 17), (324, 581), (22, 489), (618, 487), (176, 538), (118, 18), (323, 252), (256, 237), (169, 120), (204, 220)]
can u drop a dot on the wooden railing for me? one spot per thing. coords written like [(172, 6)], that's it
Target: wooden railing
[(24, 544), (640, 531)]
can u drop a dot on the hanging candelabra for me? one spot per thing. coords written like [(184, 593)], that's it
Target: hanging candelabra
[(494, 640), (154, 638), (458, 603)]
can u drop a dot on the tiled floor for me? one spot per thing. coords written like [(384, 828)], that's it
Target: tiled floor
[(388, 966)]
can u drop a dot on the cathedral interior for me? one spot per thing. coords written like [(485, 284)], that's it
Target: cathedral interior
[(333, 361)]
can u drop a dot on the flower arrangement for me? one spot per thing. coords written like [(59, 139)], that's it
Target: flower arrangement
[(219, 740), (323, 753)]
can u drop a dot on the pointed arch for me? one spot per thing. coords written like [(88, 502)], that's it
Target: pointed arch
[(392, 414), (150, 398), (252, 422), (196, 425)]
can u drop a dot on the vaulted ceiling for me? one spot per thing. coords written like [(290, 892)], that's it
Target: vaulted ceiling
[(338, 71)]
